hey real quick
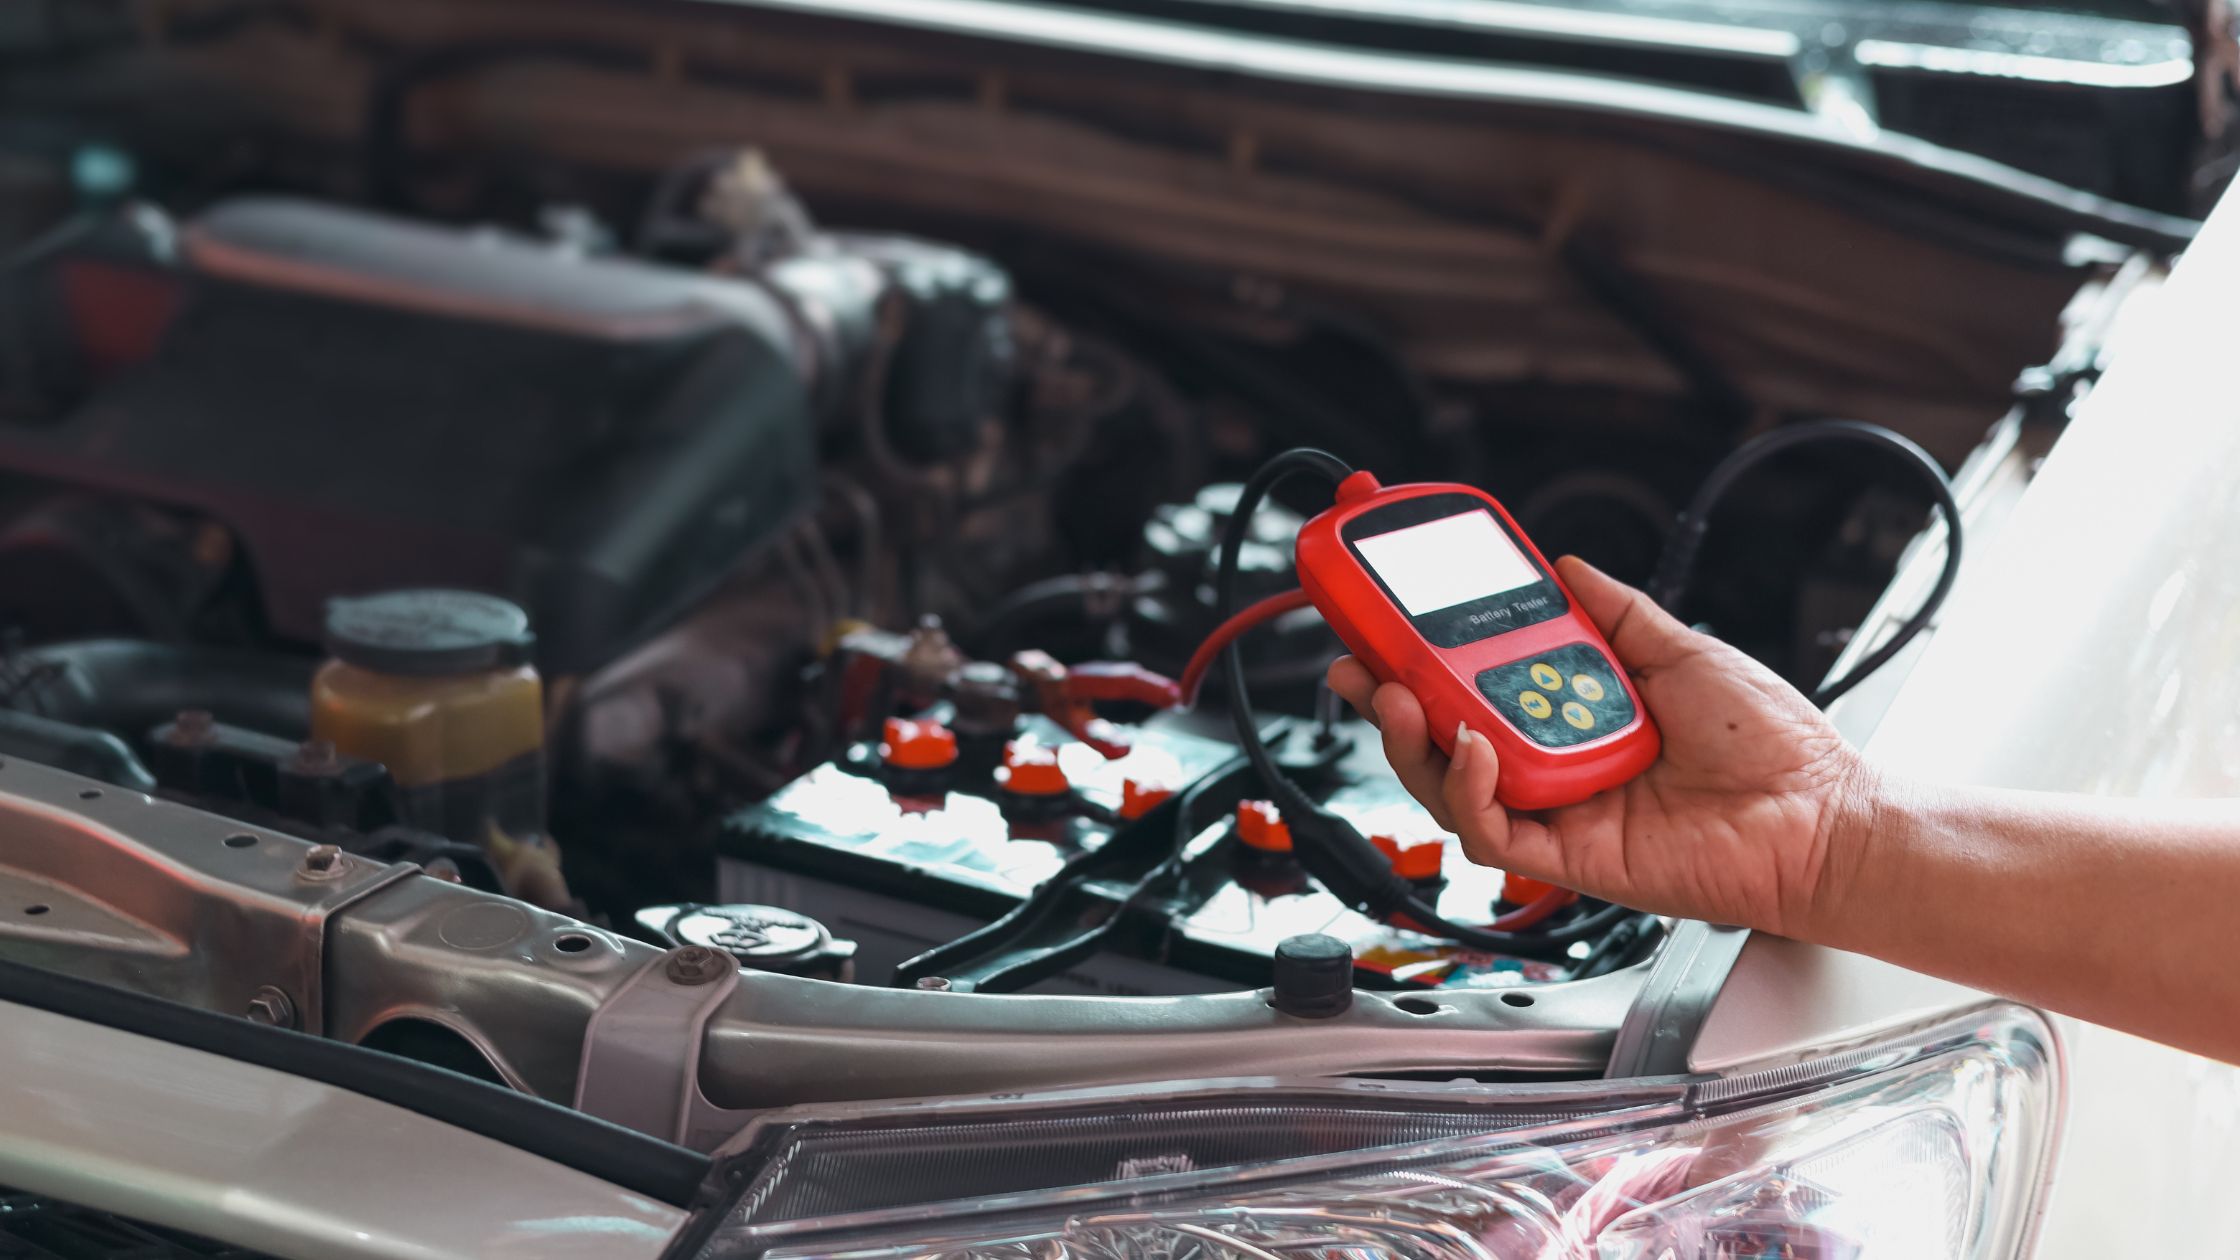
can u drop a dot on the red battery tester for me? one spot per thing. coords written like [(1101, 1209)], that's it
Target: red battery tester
[(1434, 586)]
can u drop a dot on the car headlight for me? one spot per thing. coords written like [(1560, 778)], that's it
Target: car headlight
[(1931, 1146)]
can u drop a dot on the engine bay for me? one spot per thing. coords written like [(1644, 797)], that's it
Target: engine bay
[(636, 502)]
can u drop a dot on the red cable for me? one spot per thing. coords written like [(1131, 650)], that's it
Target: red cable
[(1224, 634), (1522, 917), (1526, 915)]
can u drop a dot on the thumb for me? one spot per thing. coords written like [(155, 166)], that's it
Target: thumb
[(1490, 834), (1643, 635)]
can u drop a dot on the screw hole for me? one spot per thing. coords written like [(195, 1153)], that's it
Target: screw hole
[(88, 794), (240, 840), (1417, 1005), (40, 908), (1517, 999), (572, 943)]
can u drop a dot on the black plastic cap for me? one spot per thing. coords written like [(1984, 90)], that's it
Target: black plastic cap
[(1313, 976), (428, 633)]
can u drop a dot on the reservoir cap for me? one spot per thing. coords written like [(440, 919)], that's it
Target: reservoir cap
[(428, 632)]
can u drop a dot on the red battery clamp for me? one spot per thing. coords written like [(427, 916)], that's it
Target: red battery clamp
[(1433, 586)]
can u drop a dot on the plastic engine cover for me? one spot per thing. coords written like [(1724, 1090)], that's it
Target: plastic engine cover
[(371, 404)]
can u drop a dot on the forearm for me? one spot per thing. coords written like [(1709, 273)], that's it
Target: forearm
[(2122, 912)]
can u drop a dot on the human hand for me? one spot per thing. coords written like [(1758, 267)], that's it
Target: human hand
[(1739, 821)]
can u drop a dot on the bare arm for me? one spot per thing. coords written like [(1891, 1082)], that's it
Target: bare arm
[(1758, 813), (2121, 912)]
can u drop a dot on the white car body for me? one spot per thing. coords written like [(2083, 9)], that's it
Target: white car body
[(2092, 646)]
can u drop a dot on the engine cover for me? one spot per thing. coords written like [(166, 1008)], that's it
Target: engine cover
[(370, 403)]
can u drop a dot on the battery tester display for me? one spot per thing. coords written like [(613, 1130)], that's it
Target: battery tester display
[(1445, 562)]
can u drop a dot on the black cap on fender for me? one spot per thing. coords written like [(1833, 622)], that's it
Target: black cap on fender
[(428, 632), (1313, 976)]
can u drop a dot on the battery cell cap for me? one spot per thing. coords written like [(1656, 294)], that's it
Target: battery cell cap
[(1260, 826), (1140, 796), (1031, 770), (910, 744), (1523, 891), (1414, 858)]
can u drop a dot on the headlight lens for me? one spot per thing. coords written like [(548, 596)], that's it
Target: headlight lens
[(1933, 1146)]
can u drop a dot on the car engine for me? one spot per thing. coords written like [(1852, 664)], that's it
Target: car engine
[(530, 539)]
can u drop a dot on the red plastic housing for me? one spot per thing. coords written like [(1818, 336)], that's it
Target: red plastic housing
[(1381, 633)]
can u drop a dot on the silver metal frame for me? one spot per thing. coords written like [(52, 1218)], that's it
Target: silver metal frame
[(164, 899), (113, 886)]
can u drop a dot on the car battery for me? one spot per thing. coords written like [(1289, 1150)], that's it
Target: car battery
[(911, 850)]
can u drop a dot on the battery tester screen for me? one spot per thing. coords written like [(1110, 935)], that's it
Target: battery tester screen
[(1449, 561)]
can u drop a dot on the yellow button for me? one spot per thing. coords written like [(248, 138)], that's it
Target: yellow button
[(1576, 714), (1534, 704), (1545, 677), (1586, 686)]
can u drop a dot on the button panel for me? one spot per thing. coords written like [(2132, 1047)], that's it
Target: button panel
[(1565, 696)]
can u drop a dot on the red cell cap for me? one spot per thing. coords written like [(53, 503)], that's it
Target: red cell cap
[(1523, 891), (1262, 828), (1413, 857), (907, 744), (1140, 796), (1031, 770)]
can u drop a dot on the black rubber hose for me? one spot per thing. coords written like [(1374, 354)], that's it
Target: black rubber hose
[(1674, 569), (1091, 594), (78, 749), (131, 685)]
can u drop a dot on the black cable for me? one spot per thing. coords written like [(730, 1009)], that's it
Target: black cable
[(1622, 946), (1171, 866), (1331, 849), (1329, 710), (1186, 807), (1677, 565), (1101, 597), (1541, 944), (1234, 532)]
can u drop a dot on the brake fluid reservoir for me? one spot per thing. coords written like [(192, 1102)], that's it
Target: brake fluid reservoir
[(437, 686)]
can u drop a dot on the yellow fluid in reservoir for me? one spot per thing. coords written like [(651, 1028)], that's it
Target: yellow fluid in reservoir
[(437, 686), (430, 729)]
